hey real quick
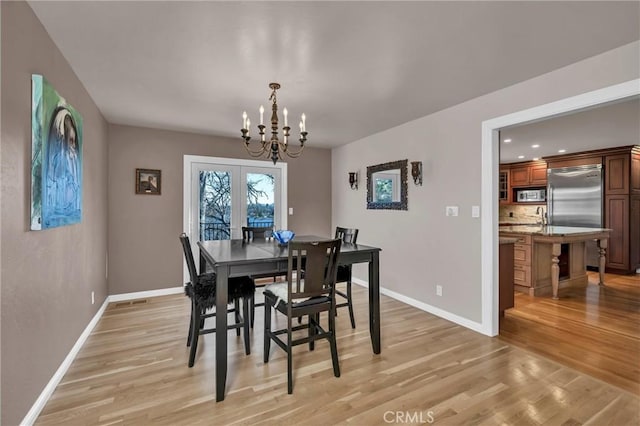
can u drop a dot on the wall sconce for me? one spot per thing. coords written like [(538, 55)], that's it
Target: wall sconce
[(416, 172), (353, 180)]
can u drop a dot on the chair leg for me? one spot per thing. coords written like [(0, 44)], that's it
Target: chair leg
[(236, 304), (313, 321), (267, 330), (253, 308), (245, 325), (202, 311), (349, 301), (289, 358), (193, 308), (194, 336), (332, 343)]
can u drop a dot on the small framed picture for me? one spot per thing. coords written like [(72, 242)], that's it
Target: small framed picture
[(148, 181)]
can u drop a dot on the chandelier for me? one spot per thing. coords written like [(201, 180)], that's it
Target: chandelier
[(274, 148)]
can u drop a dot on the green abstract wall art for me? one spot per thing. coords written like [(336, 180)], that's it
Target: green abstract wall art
[(56, 158)]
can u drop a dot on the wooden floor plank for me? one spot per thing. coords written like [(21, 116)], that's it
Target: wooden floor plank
[(595, 329), (133, 370)]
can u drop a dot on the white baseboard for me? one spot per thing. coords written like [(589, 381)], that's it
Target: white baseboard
[(37, 407), (472, 325), (144, 294)]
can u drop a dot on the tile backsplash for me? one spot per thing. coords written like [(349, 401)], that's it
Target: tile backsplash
[(519, 213)]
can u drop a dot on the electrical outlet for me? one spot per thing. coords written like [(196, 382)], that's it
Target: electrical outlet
[(451, 210), (93, 297), (438, 290), (290, 211)]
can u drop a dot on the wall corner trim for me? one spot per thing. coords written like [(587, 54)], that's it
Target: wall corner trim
[(48, 390)]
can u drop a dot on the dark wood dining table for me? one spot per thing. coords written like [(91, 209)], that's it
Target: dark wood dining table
[(232, 258)]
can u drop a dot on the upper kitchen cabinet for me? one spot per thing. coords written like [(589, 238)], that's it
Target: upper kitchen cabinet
[(531, 173), (617, 174), (504, 186)]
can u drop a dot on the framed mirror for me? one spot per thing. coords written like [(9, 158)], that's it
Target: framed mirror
[(387, 186)]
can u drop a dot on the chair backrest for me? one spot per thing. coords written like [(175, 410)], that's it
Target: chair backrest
[(320, 267), (255, 233), (347, 235), (188, 257)]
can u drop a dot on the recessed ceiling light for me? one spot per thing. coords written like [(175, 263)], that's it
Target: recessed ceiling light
[(562, 150), (507, 140), (535, 146), (535, 158), (520, 156)]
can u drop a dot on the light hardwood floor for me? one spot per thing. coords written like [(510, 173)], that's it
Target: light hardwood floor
[(595, 329), (133, 370)]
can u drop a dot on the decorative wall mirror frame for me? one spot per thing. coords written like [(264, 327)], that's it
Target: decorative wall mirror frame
[(387, 186)]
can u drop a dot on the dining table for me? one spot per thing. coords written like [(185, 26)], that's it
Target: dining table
[(233, 258)]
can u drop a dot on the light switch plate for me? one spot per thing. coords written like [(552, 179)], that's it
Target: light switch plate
[(451, 210), (475, 211), (290, 211)]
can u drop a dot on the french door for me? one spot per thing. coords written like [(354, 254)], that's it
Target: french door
[(222, 195)]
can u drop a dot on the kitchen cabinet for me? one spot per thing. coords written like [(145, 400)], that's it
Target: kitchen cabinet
[(634, 231), (504, 186), (616, 208), (532, 173), (520, 176), (538, 174), (617, 174), (521, 261), (622, 208), (506, 296)]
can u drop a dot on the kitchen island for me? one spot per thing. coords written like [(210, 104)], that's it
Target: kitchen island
[(547, 258)]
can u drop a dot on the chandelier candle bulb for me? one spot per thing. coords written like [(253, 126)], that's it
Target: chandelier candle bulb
[(304, 122), (261, 114), (244, 120), (285, 113), (248, 127)]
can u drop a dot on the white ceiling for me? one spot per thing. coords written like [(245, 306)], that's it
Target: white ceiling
[(354, 68)]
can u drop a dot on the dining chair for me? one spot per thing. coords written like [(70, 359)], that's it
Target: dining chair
[(256, 232), (202, 292), (347, 235), (304, 295)]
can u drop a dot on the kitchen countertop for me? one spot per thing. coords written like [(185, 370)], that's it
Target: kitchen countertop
[(551, 230), (507, 240)]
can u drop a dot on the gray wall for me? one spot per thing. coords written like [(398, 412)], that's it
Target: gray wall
[(144, 252), (47, 276), (421, 247)]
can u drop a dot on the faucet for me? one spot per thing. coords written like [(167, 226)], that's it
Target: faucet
[(543, 215)]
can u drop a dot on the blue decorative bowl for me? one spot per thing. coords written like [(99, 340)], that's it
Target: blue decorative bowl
[(283, 236)]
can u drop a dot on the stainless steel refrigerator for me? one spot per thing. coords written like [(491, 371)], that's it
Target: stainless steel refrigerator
[(574, 198)]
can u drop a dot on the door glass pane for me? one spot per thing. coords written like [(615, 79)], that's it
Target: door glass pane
[(260, 199), (215, 205)]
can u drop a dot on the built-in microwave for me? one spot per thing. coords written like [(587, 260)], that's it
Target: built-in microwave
[(531, 195)]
